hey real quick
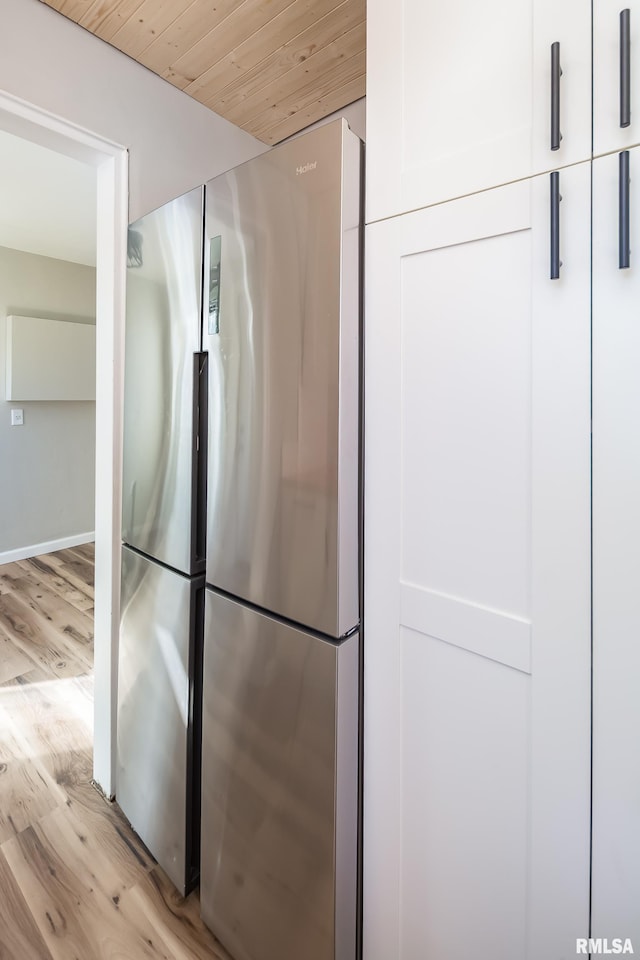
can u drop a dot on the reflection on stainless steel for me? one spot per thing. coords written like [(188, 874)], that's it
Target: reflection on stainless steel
[(158, 694), (154, 709), (215, 258), (279, 790), (283, 375), (162, 334), (280, 718)]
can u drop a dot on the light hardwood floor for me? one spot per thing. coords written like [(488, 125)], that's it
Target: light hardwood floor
[(75, 881)]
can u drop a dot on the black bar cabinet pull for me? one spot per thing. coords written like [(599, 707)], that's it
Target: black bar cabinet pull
[(623, 210), (555, 225), (556, 73), (625, 67)]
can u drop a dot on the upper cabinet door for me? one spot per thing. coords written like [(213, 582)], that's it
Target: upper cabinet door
[(616, 75), (459, 96)]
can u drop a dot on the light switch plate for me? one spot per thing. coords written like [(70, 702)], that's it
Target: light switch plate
[(17, 418)]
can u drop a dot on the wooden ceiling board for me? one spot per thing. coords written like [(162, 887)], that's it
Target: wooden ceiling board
[(320, 108), (102, 17), (59, 4), (339, 72), (248, 17), (152, 18), (249, 82), (269, 66), (281, 97), (184, 32), (293, 36), (74, 9)]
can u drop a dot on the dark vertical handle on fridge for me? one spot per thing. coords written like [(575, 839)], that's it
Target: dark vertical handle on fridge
[(625, 67), (194, 740), (555, 225), (623, 210), (199, 477), (556, 73)]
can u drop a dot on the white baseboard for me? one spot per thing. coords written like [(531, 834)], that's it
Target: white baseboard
[(49, 546)]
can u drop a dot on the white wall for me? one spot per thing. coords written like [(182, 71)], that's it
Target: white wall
[(174, 142), (47, 474)]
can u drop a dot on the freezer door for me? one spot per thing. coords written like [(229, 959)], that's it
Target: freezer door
[(282, 331), (163, 311), (279, 787), (158, 722)]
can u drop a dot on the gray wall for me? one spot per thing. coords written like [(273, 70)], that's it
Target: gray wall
[(47, 474), (355, 114), (174, 142)]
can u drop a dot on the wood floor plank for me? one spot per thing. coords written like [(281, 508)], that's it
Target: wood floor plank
[(20, 938), (177, 919), (37, 674), (13, 661), (54, 720), (93, 867), (87, 551), (69, 898), (110, 830), (48, 603), (36, 637), (48, 559), (26, 792), (52, 566), (64, 588), (12, 571), (76, 564), (85, 685)]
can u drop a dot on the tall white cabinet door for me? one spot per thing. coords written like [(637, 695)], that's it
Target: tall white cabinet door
[(459, 96), (477, 579), (616, 559), (615, 45)]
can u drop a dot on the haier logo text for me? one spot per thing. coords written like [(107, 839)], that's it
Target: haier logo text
[(306, 168), (617, 945)]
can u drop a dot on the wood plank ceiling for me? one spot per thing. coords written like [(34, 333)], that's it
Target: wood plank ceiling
[(269, 66)]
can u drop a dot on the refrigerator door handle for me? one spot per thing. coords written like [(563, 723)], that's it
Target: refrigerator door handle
[(199, 490)]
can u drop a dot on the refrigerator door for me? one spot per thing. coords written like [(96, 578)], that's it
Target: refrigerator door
[(158, 712), (279, 787), (164, 280), (282, 331)]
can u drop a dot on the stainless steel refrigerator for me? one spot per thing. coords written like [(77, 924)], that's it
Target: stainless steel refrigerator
[(282, 646), (163, 526)]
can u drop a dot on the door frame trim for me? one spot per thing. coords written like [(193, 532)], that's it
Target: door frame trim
[(111, 162)]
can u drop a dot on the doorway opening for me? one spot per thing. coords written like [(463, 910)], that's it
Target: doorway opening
[(110, 163)]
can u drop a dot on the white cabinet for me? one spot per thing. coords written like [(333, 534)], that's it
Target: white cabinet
[(477, 578), (610, 48), (459, 96), (50, 359), (616, 558)]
